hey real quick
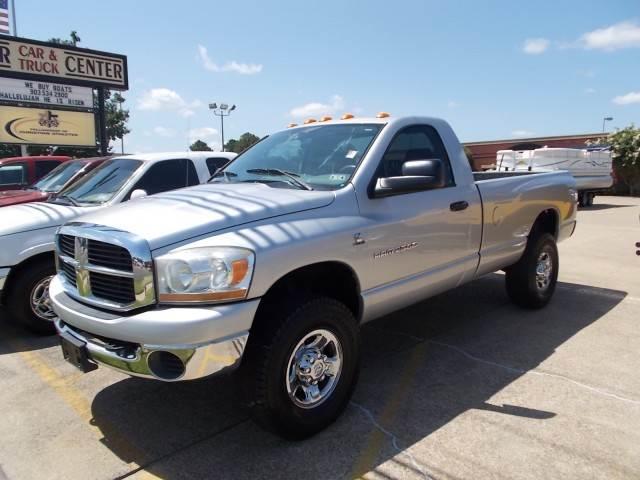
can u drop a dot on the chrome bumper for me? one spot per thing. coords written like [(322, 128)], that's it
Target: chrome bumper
[(4, 273), (204, 340), (186, 362)]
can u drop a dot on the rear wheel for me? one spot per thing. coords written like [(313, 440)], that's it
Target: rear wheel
[(300, 369), (28, 301), (532, 281)]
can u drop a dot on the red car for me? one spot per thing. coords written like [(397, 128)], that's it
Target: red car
[(52, 183), (18, 172)]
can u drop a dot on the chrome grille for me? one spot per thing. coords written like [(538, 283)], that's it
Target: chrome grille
[(66, 243), (105, 267), (109, 287), (69, 272), (109, 255)]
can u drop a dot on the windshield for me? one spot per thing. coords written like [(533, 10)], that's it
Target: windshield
[(58, 177), (102, 184), (318, 157)]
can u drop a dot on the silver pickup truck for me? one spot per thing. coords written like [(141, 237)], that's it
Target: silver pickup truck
[(274, 265)]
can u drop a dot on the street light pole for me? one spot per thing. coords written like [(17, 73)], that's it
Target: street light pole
[(604, 120), (222, 110)]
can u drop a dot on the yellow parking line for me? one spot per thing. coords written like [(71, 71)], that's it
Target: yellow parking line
[(63, 386), (369, 454)]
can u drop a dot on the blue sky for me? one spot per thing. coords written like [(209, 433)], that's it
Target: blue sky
[(493, 69)]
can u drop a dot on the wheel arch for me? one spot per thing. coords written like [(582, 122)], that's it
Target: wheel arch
[(333, 279), (41, 257), (547, 221)]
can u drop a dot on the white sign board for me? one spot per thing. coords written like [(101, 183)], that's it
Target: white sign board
[(29, 91)]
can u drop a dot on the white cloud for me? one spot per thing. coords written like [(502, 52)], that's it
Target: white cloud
[(316, 108), (164, 132), (535, 46), (614, 37), (453, 104), (158, 99), (522, 133), (206, 134), (589, 90), (629, 98), (233, 66)]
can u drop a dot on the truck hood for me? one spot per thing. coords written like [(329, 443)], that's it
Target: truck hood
[(172, 217), (13, 197), (36, 216)]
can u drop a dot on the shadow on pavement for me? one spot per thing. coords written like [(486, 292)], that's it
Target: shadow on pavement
[(421, 368), (14, 338)]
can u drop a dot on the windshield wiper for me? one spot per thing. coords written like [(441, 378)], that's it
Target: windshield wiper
[(68, 198), (294, 177), (222, 173)]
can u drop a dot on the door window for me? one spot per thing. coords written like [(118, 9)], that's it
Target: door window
[(168, 175), (45, 166), (418, 142), (13, 174), (216, 163)]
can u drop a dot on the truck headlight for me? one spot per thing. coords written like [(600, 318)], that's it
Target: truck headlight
[(204, 275)]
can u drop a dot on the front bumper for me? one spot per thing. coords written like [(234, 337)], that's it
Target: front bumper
[(168, 344)]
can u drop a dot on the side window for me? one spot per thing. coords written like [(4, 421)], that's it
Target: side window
[(13, 174), (216, 163), (168, 175), (45, 166), (418, 142)]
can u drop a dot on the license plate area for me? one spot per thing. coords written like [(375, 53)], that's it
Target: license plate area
[(74, 351)]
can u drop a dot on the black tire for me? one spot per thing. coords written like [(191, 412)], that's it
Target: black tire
[(589, 196), (19, 298), (267, 360), (524, 287), (581, 199)]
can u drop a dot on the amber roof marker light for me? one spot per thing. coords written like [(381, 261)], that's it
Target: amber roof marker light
[(291, 125), (346, 116), (310, 120), (326, 118), (383, 115)]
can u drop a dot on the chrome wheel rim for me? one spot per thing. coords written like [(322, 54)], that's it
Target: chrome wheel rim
[(40, 302), (544, 270), (314, 368)]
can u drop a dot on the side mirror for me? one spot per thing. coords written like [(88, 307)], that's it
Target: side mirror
[(417, 175), (138, 193)]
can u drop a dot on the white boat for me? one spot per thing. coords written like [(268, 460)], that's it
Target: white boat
[(591, 167)]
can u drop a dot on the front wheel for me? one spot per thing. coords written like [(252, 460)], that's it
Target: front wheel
[(531, 282), (29, 299), (300, 369)]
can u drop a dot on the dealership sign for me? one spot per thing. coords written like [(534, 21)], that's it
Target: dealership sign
[(29, 91), (46, 127), (30, 59)]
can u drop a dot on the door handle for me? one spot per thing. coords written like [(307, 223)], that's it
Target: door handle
[(458, 206)]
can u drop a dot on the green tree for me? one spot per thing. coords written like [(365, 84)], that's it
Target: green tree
[(200, 146), (625, 148), (116, 116), (245, 141), (7, 150)]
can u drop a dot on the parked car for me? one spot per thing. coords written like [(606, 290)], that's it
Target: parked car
[(591, 167), (19, 172), (27, 231), (275, 264), (56, 180)]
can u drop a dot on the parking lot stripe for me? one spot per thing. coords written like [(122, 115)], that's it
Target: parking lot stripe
[(63, 386), (396, 398)]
